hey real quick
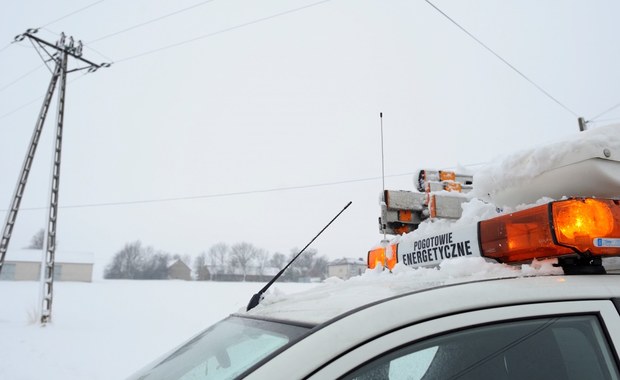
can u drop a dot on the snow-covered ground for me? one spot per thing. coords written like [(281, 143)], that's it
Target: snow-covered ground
[(108, 329)]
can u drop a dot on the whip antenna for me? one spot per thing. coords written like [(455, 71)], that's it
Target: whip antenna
[(255, 300), (382, 169)]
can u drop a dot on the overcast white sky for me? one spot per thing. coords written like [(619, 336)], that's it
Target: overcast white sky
[(288, 102)]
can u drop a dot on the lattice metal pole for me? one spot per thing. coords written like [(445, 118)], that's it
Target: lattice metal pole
[(61, 57), (48, 264), (26, 166)]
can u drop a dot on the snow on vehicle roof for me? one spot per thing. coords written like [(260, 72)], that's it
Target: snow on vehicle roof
[(336, 296), (516, 170)]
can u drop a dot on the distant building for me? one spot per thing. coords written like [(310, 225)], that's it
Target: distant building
[(25, 265), (346, 268), (253, 273), (179, 271)]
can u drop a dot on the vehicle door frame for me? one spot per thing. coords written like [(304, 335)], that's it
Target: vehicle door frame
[(604, 309)]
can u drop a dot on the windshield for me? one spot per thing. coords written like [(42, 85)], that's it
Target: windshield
[(223, 351)]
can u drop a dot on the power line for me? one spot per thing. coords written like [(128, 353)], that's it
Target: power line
[(30, 102), (239, 26), (605, 120), (21, 107), (13, 43), (44, 27), (100, 53), (150, 21), (4, 87), (217, 195), (72, 13), (605, 112), (84, 46), (157, 19), (502, 59)]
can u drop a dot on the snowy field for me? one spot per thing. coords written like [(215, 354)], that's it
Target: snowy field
[(109, 329)]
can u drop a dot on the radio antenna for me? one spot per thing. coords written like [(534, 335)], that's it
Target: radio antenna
[(382, 169), (255, 300)]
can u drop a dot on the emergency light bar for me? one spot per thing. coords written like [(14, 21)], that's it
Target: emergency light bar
[(584, 228), (383, 257), (440, 195), (432, 177)]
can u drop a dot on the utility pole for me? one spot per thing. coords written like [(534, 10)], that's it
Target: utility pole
[(59, 53)]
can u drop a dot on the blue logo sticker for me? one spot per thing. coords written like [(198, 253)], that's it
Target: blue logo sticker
[(607, 242)]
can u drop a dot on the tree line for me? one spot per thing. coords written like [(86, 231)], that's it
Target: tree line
[(135, 261), (241, 261)]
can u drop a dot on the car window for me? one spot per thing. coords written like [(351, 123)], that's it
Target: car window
[(223, 351), (571, 347)]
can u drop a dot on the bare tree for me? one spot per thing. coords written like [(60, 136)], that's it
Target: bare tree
[(155, 264), (127, 262), (200, 267), (278, 260), (241, 256), (218, 253), (37, 240), (137, 262), (218, 258), (319, 267), (261, 258), (303, 266)]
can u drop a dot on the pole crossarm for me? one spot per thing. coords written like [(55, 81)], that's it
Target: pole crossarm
[(71, 48)]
